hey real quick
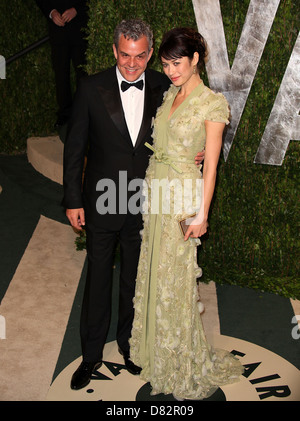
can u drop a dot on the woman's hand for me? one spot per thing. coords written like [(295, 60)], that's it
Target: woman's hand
[(196, 229)]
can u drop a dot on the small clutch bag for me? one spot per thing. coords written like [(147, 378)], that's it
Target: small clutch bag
[(185, 223)]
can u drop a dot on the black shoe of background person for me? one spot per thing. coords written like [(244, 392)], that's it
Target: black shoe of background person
[(131, 367), (83, 374)]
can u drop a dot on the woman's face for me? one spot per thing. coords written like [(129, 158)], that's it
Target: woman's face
[(179, 70)]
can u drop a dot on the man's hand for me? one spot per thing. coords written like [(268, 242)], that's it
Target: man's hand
[(199, 158), (76, 218), (57, 18), (69, 14)]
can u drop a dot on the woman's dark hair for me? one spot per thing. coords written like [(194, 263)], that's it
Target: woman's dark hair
[(183, 42)]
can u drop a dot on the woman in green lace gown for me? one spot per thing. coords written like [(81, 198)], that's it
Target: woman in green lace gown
[(168, 339)]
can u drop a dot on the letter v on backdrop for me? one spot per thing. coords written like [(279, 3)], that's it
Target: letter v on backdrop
[(284, 122), (235, 83)]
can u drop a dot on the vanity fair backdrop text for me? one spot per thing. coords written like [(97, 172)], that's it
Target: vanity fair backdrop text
[(235, 82)]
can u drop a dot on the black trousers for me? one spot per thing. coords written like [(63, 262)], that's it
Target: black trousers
[(65, 51), (96, 308)]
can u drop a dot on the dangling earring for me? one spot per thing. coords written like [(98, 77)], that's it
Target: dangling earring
[(194, 70)]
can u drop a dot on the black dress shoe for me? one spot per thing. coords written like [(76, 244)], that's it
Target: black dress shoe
[(131, 367), (83, 374)]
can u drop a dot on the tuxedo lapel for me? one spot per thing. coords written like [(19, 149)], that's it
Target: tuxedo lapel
[(109, 91), (112, 101), (150, 106)]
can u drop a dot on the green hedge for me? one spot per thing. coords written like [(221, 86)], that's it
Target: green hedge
[(254, 224), (105, 15), (28, 103), (253, 237)]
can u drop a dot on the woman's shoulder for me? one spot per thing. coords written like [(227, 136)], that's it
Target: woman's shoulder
[(213, 96), (217, 107)]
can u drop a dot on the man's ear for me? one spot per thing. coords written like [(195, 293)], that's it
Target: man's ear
[(150, 54), (115, 51)]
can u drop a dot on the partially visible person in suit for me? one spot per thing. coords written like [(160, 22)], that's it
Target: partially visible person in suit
[(113, 110), (67, 20)]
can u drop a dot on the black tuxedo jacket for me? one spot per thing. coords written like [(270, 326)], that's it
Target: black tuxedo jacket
[(98, 122), (72, 28)]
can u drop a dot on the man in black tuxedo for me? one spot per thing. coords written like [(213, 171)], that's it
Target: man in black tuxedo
[(66, 21), (117, 123)]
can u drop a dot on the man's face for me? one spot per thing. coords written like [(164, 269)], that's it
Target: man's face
[(132, 57)]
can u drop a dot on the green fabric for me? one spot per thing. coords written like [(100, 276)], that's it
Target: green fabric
[(168, 339)]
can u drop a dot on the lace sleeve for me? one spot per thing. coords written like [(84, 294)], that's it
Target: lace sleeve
[(218, 110)]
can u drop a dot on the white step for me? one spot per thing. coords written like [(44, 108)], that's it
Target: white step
[(45, 154)]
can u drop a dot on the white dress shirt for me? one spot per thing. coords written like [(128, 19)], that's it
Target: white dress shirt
[(133, 106)]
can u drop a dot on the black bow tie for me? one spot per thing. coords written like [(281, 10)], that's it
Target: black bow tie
[(126, 85)]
